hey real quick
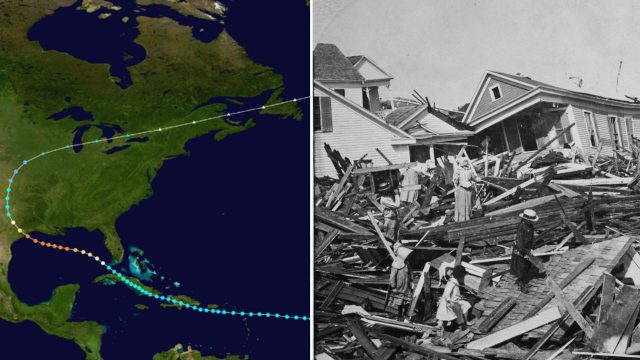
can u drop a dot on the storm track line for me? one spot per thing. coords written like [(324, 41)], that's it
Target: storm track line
[(131, 284)]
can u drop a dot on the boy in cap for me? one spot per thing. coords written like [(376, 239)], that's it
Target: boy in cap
[(520, 266)]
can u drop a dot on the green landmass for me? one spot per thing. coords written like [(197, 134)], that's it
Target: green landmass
[(178, 353), (141, 306), (91, 189)]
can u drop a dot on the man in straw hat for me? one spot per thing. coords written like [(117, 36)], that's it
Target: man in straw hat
[(520, 266)]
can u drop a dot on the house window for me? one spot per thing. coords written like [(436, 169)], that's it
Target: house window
[(495, 92), (616, 134), (629, 123), (339, 91), (560, 126), (322, 120), (591, 129)]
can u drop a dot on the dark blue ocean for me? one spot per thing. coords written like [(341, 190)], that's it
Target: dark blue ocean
[(227, 223)]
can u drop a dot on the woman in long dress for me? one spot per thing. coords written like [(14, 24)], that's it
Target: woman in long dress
[(451, 301), (464, 178)]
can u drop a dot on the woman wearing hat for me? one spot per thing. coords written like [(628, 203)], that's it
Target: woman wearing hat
[(464, 178), (520, 266), (451, 305)]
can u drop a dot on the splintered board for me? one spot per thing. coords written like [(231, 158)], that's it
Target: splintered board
[(520, 328), (607, 336)]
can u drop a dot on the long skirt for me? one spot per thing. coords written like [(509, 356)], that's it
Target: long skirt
[(464, 204), (520, 267), (410, 178)]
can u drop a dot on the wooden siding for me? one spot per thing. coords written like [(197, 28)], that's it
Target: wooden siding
[(354, 135), (604, 133), (509, 92)]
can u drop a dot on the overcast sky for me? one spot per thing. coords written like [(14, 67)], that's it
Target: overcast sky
[(441, 48)]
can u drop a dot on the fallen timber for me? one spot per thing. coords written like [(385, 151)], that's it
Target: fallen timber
[(590, 261)]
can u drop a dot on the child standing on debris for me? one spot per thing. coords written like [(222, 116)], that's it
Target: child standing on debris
[(464, 178), (520, 266), (451, 305), (400, 280)]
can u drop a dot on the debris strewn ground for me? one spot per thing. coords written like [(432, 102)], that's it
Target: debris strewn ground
[(582, 301)]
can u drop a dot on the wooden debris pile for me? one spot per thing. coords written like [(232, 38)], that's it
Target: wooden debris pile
[(582, 302)]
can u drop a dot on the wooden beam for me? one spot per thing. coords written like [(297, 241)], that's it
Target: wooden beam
[(511, 191), (611, 330), (416, 293), (518, 329), (362, 338), (521, 206), (608, 286), (383, 168), (459, 252), (380, 235), (568, 306), (622, 346), (384, 157), (496, 315), (415, 348), (594, 181), (327, 240), (584, 264), (543, 147)]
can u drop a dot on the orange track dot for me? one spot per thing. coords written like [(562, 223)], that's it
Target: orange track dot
[(35, 241), (27, 236), (66, 248), (41, 243), (75, 250)]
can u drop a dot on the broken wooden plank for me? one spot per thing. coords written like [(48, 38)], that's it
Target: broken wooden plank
[(621, 348), (594, 181), (608, 286), (568, 306), (583, 265), (362, 338), (459, 252), (326, 242), (496, 315), (418, 290), (414, 347), (383, 168), (523, 205), (580, 302), (511, 191), (518, 329), (543, 147), (608, 334), (339, 221)]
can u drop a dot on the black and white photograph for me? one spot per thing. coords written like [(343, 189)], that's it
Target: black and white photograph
[(476, 179)]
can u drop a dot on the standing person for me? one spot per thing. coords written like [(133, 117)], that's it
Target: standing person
[(464, 179), (390, 224), (451, 305), (520, 266), (400, 280)]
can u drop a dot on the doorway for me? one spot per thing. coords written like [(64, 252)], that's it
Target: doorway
[(527, 135)]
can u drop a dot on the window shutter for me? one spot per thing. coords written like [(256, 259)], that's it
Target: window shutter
[(325, 110)]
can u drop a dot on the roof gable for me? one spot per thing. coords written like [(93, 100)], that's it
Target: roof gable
[(369, 69), (482, 103), (329, 63), (508, 91)]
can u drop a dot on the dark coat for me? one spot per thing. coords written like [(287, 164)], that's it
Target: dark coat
[(520, 267)]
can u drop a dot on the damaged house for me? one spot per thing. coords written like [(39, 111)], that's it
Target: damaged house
[(520, 114), (347, 116)]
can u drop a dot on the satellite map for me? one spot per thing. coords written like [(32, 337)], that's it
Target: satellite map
[(148, 149)]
